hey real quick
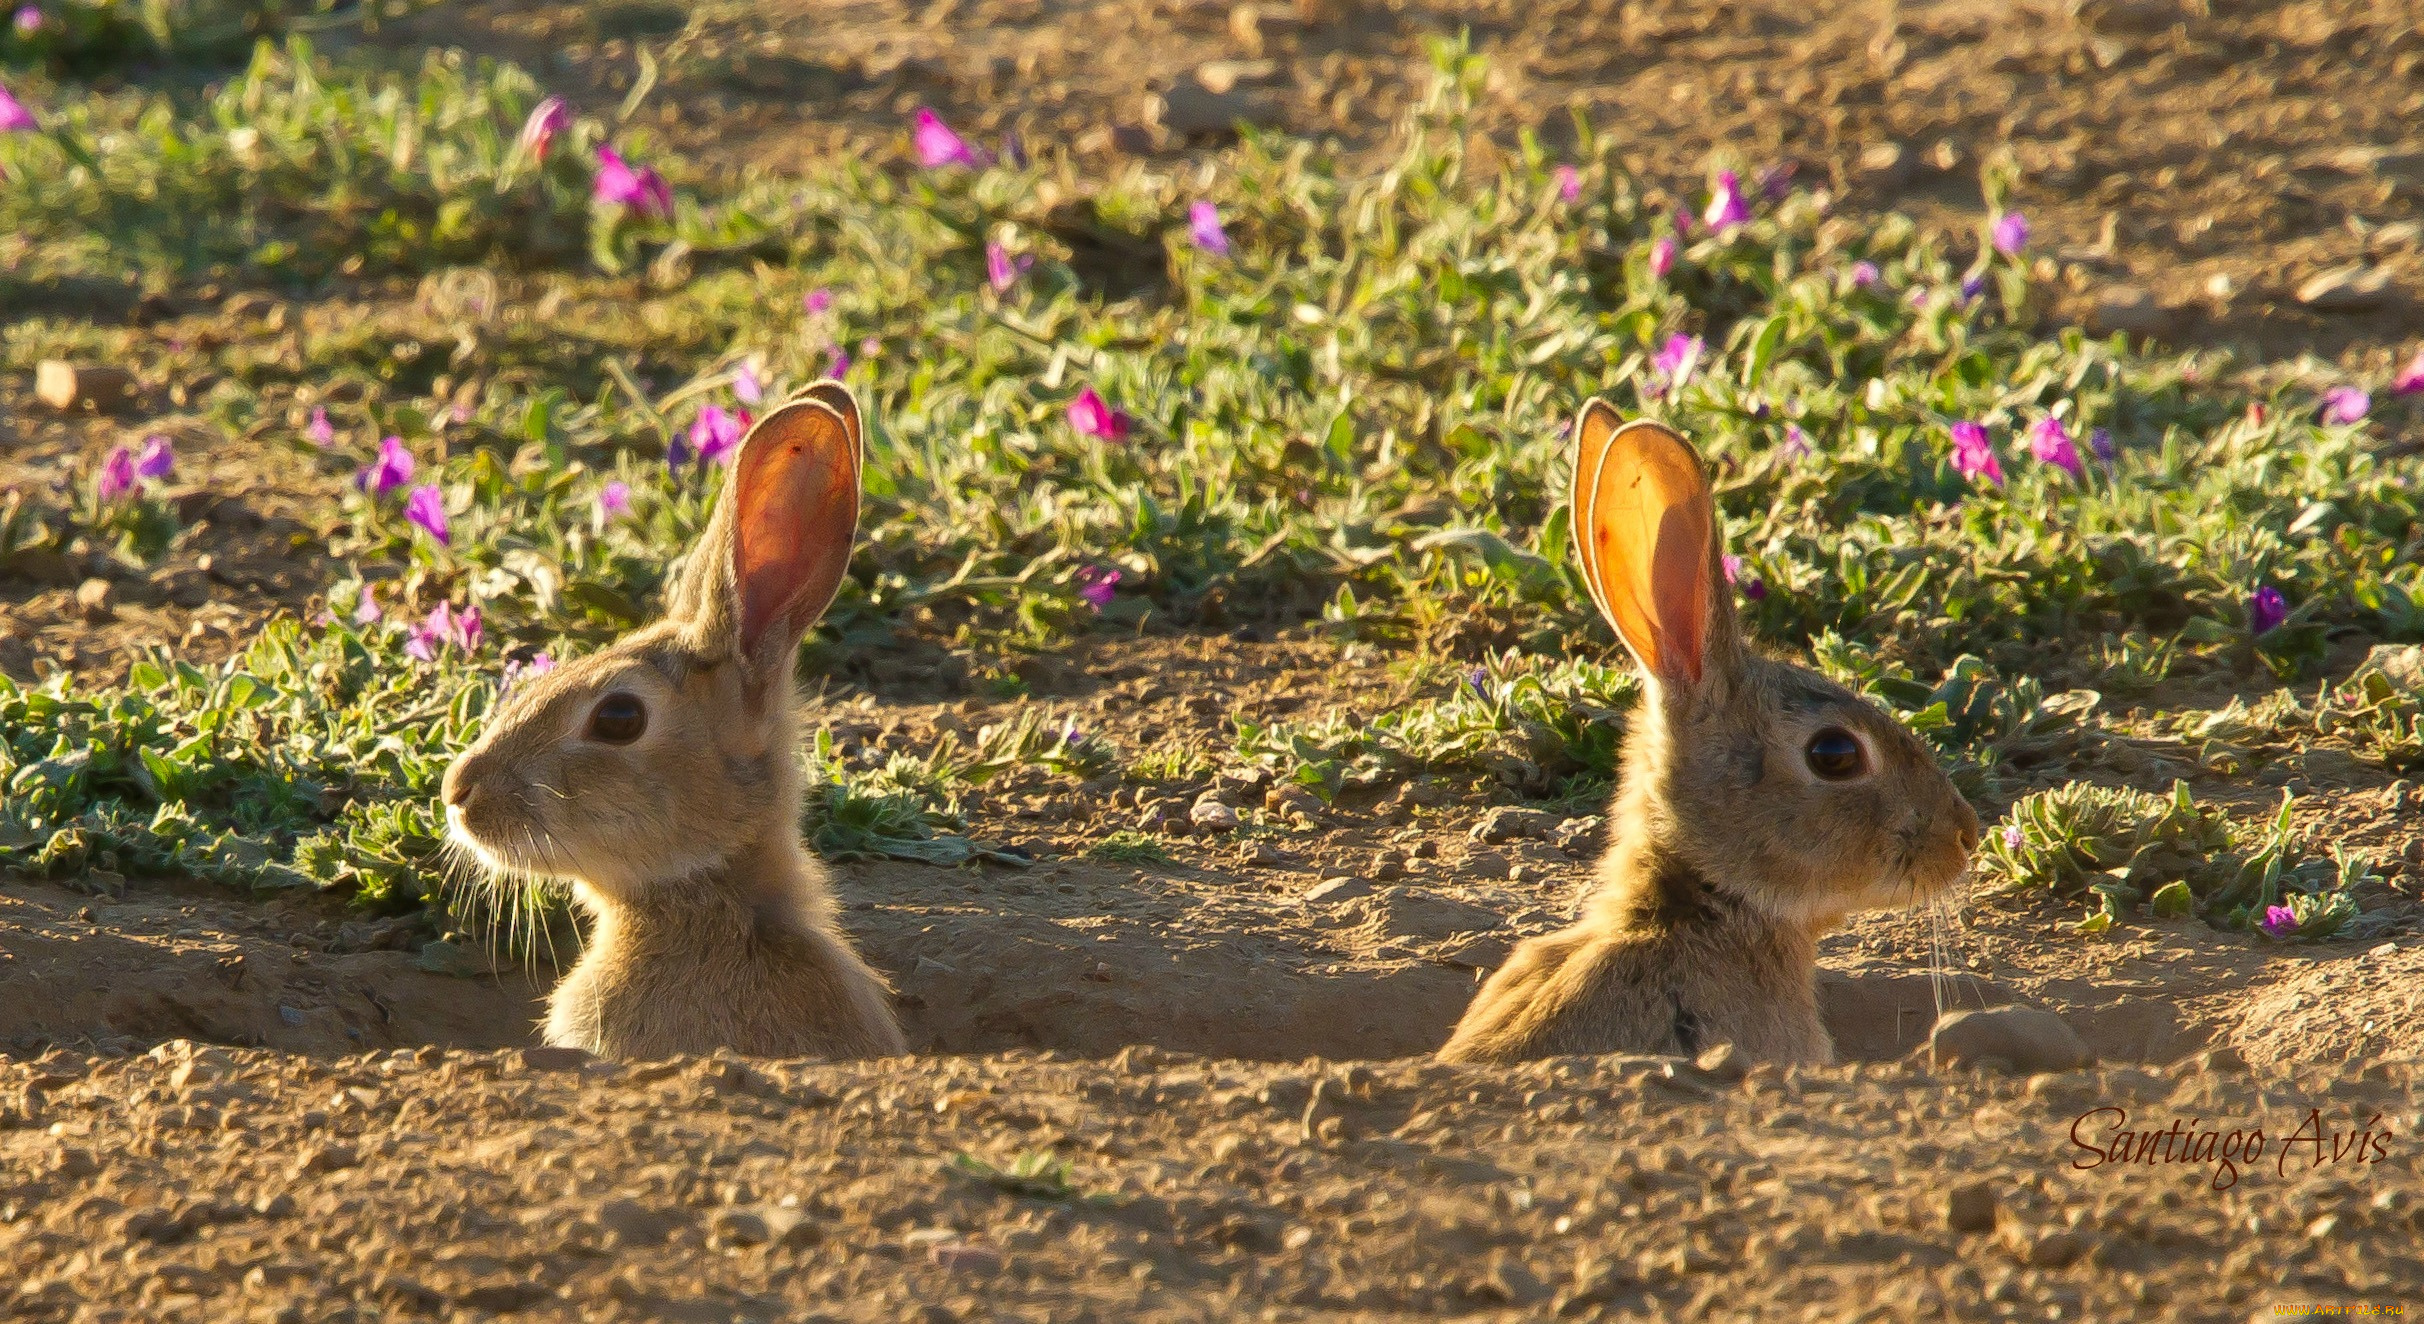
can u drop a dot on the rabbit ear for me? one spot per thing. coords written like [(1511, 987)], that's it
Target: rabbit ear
[(775, 550), (835, 396), (1645, 525)]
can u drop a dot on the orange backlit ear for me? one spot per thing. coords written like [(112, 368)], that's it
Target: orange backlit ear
[(1644, 523)]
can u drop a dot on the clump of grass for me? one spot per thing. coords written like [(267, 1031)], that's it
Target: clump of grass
[(2380, 709), (1540, 728), (1128, 846), (1036, 1174), (2119, 847)]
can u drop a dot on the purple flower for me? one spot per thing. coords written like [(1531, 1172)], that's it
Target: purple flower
[(2410, 380), (614, 500), (1754, 590), (2345, 404), (1777, 180), (2278, 921), (29, 20), (319, 431), (366, 608), (837, 362), (1974, 456), (549, 119), (2011, 233), (1203, 229), (1972, 287), (1796, 442), (2051, 443), (2011, 836), (1003, 270), (1096, 586), (1662, 257), (716, 431), (1918, 297), (426, 506), (643, 191), (1672, 366), (817, 302), (1727, 207), (2101, 442), (938, 146), (157, 460), (117, 475), (2266, 609), (1569, 184), (1090, 416), (389, 470), (1865, 274)]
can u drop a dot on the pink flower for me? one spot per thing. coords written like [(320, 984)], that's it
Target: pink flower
[(2012, 836), (716, 431), (1974, 456), (614, 500), (1796, 442), (2345, 404), (117, 476), (2051, 443), (2278, 922), (1003, 270), (1569, 184), (549, 119), (1864, 274), (157, 460), (28, 20), (837, 363), (2011, 233), (817, 302), (14, 117), (938, 146), (1727, 207), (1662, 257), (1754, 590), (366, 608), (643, 191), (515, 669), (1089, 416), (2410, 380), (442, 628), (1672, 366), (746, 387), (391, 469), (320, 432), (1096, 586), (426, 506), (1203, 229)]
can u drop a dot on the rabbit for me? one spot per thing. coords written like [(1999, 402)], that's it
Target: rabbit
[(1760, 804), (660, 777)]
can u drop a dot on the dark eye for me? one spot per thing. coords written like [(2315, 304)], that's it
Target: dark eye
[(618, 719), (1835, 756)]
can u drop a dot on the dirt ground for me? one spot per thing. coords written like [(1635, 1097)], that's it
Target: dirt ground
[(364, 1137)]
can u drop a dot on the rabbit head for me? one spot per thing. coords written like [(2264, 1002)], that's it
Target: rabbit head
[(670, 752), (1780, 786)]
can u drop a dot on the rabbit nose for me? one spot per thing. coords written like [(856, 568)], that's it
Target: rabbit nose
[(1966, 828), (457, 786)]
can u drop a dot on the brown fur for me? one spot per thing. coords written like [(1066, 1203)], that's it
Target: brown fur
[(1729, 862), (714, 926)]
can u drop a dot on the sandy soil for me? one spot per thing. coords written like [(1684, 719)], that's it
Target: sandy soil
[(367, 1138)]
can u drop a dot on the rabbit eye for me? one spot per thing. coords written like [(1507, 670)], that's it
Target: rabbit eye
[(618, 719), (1835, 756)]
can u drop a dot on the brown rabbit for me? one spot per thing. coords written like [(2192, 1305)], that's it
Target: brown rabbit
[(661, 778), (1760, 804)]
